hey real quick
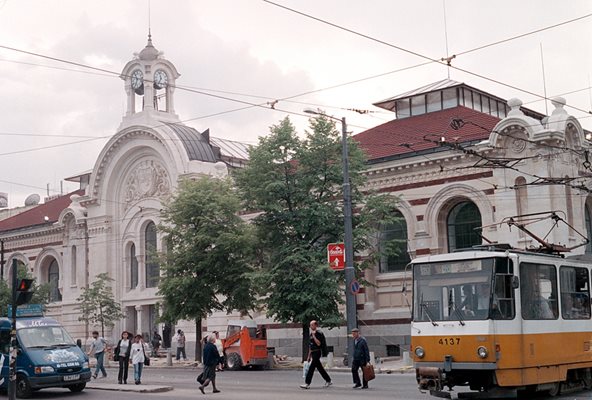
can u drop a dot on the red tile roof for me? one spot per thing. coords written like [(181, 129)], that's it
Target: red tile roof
[(36, 216), (408, 135)]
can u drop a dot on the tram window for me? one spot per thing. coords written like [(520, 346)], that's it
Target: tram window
[(538, 291), (503, 298), (575, 293)]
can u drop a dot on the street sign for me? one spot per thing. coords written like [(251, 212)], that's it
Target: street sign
[(355, 287), (27, 310), (336, 255)]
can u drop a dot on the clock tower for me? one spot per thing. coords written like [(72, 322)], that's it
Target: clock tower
[(149, 84)]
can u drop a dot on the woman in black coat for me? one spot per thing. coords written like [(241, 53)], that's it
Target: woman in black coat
[(122, 354)]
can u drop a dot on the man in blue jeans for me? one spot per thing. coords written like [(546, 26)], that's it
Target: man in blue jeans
[(98, 347)]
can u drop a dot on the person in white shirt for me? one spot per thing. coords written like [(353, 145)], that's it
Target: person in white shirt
[(220, 348), (138, 356)]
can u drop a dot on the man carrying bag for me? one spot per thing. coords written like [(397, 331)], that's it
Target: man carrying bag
[(361, 360)]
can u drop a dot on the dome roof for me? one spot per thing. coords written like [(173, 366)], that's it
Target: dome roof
[(149, 53)]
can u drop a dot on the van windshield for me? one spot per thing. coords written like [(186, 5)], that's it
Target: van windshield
[(44, 336)]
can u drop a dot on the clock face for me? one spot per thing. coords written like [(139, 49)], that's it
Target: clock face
[(138, 81), (160, 79)]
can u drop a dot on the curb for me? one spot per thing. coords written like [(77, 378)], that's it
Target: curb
[(129, 388)]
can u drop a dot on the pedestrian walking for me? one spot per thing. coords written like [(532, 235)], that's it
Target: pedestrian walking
[(122, 354), (360, 359), (98, 347), (210, 361), (316, 349), (156, 340), (138, 355), (180, 338), (220, 348)]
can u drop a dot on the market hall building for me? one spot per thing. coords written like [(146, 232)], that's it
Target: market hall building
[(422, 157)]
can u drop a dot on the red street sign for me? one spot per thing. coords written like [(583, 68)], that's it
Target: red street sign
[(336, 255)]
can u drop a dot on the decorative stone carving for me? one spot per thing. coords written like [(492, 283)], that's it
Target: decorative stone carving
[(518, 145), (147, 179)]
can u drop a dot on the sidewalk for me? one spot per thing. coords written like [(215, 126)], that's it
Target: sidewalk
[(386, 366)]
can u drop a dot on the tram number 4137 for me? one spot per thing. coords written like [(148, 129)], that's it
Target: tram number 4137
[(450, 341)]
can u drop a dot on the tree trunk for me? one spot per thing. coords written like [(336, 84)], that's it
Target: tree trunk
[(305, 341), (198, 339), (102, 324)]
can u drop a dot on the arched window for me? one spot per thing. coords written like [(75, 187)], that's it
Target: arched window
[(393, 238), (461, 223), (152, 266), (133, 267), (588, 218), (73, 264), (53, 278)]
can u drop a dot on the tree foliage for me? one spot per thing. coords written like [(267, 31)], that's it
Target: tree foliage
[(97, 304), (296, 183), (40, 292), (208, 263)]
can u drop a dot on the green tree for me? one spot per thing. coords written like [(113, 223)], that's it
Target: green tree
[(296, 184), (97, 304), (208, 262)]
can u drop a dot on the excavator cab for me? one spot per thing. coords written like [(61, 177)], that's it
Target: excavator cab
[(245, 345)]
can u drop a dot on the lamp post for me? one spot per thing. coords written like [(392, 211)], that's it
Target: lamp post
[(349, 271)]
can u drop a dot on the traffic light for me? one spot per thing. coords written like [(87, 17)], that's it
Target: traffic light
[(24, 291)]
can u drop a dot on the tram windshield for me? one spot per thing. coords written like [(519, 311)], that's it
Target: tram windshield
[(475, 289)]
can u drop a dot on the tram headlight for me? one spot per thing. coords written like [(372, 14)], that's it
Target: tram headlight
[(482, 352), (419, 352)]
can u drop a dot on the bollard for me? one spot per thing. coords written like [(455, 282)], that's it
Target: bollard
[(372, 359), (406, 359), (169, 358), (330, 360)]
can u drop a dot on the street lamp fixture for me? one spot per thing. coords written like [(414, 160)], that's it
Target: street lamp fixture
[(349, 271)]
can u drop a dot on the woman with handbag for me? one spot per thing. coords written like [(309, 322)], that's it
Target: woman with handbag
[(139, 359), (122, 354)]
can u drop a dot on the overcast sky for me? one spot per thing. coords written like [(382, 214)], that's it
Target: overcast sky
[(255, 52)]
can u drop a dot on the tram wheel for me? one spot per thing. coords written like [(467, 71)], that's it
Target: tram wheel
[(587, 379), (555, 390)]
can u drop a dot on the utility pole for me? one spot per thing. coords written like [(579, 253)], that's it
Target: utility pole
[(2, 261), (349, 270), (13, 349)]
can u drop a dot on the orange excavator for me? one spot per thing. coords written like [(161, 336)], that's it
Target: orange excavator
[(245, 345)]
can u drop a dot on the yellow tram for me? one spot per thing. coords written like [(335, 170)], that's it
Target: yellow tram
[(501, 321)]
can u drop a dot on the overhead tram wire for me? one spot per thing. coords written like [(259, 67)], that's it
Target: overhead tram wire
[(441, 61), (263, 105), (333, 86)]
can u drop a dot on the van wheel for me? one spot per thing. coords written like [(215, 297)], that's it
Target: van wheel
[(23, 388), (79, 387), (234, 362)]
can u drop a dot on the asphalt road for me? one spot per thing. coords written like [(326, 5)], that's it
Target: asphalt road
[(263, 385)]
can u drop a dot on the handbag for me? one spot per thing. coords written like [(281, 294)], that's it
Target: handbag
[(115, 357), (200, 378), (368, 372), (146, 359)]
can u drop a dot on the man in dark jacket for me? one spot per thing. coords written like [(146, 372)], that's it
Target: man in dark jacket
[(210, 361), (361, 358), (317, 346)]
